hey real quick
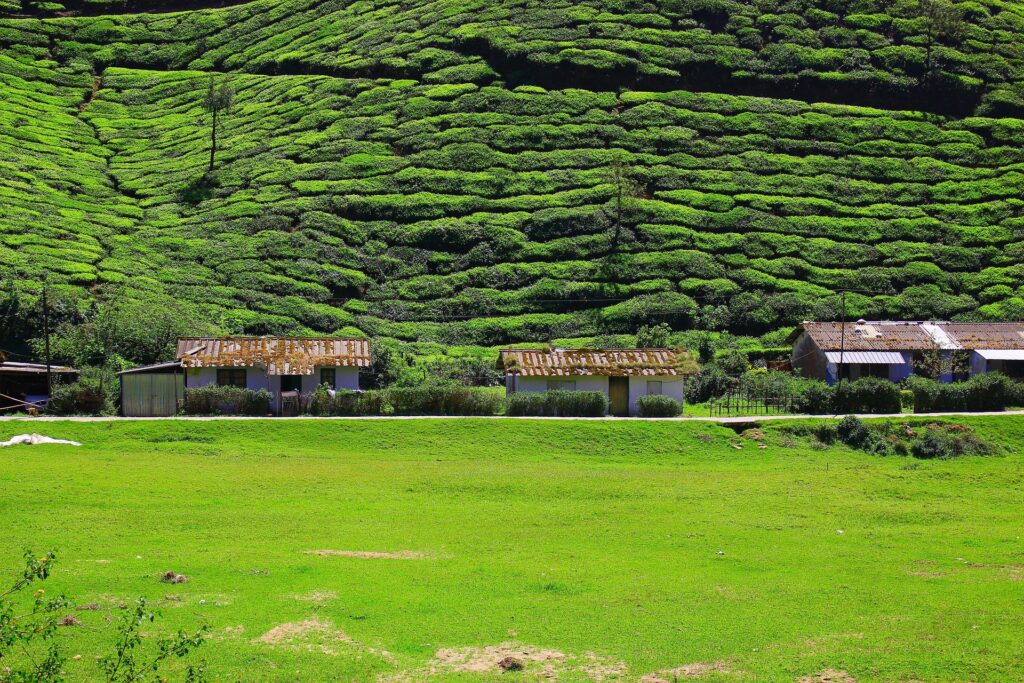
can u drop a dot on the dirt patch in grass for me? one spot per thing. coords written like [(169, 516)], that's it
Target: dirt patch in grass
[(828, 676), (1014, 572), (318, 597), (535, 663), (319, 635), (694, 670), (370, 554)]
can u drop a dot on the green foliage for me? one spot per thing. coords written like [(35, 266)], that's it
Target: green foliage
[(28, 648), (557, 404), (988, 391), (95, 392), (658, 406), (376, 172), (213, 399), (866, 395)]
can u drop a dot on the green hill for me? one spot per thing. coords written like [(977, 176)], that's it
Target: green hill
[(483, 173)]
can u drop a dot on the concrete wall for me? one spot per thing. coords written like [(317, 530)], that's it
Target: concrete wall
[(670, 386), (808, 359)]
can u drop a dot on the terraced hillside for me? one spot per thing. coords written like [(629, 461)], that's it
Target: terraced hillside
[(486, 173)]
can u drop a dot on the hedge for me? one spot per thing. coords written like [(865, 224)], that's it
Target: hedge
[(224, 400), (988, 391), (866, 395), (658, 406), (557, 404)]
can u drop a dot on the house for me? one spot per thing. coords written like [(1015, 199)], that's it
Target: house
[(152, 390), (24, 385), (623, 375), (285, 366), (893, 349)]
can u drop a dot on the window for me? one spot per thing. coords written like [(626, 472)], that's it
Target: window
[(231, 377), (328, 377), (561, 385), (654, 388)]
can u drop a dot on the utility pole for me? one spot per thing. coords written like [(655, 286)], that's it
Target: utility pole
[(842, 335), (46, 337)]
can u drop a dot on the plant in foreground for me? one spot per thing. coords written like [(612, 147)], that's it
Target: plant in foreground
[(30, 650)]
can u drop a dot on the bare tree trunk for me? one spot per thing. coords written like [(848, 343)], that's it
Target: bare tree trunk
[(213, 140)]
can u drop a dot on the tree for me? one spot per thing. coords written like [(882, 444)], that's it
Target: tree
[(942, 20), (626, 190), (219, 98), (653, 336), (933, 363)]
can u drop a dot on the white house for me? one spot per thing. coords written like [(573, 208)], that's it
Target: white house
[(623, 375), (285, 366)]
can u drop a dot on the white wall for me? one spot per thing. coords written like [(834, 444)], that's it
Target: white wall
[(670, 386), (257, 378), (583, 383)]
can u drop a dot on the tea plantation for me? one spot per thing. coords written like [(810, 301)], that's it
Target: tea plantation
[(483, 173)]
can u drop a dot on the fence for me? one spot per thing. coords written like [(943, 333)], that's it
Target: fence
[(742, 401)]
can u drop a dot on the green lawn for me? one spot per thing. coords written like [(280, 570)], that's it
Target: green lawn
[(629, 547)]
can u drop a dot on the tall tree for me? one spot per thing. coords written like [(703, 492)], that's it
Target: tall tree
[(219, 100), (626, 190), (942, 21)]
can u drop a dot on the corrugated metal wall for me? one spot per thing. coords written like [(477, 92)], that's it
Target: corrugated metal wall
[(151, 394)]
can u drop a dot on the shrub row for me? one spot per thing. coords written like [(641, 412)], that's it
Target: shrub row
[(989, 391), (558, 404), (222, 400)]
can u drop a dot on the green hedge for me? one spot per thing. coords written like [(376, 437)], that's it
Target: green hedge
[(866, 395), (989, 391), (432, 400), (217, 400), (658, 406), (557, 404)]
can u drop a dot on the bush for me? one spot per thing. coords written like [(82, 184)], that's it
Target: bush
[(813, 398), (217, 400), (711, 382), (855, 434), (430, 400), (950, 441), (658, 406), (867, 395), (557, 404), (989, 391), (94, 393)]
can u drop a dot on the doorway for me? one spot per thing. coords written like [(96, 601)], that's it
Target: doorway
[(618, 396)]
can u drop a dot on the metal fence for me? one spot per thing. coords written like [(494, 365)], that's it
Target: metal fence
[(743, 401)]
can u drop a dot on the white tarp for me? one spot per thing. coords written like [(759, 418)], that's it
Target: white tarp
[(34, 440), (1001, 354), (865, 357)]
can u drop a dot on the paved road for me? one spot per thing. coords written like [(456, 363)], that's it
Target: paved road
[(721, 420)]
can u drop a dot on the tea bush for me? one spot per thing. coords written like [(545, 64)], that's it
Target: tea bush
[(988, 391), (658, 406)]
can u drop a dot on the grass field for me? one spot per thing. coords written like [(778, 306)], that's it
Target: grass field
[(630, 548)]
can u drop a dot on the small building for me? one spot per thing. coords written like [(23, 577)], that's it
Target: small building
[(285, 366), (23, 386), (152, 390), (623, 375), (892, 349)]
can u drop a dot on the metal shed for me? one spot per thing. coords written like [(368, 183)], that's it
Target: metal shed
[(152, 390)]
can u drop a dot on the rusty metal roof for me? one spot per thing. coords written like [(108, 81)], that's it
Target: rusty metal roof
[(889, 335), (1002, 336), (35, 368), (606, 362), (279, 355)]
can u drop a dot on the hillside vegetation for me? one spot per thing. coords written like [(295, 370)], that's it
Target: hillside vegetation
[(487, 173)]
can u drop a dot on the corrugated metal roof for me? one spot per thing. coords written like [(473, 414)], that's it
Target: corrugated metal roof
[(279, 355), (987, 335), (168, 365), (874, 336), (1001, 354), (866, 357), (605, 362), (35, 368), (912, 335)]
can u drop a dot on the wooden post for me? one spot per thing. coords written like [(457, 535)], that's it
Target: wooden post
[(46, 343)]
